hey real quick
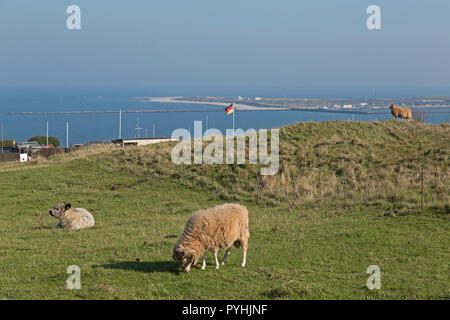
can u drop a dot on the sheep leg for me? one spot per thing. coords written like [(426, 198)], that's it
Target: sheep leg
[(204, 262), (244, 256), (225, 257), (215, 259)]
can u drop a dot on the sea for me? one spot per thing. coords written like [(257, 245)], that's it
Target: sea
[(94, 127)]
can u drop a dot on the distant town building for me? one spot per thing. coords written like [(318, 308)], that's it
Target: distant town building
[(258, 98), (347, 106)]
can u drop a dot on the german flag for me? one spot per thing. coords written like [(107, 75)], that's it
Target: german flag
[(229, 109)]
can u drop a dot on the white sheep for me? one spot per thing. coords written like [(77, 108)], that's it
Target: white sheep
[(209, 230), (71, 218)]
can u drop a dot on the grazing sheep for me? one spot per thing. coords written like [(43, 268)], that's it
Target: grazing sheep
[(208, 230), (397, 112), (76, 218)]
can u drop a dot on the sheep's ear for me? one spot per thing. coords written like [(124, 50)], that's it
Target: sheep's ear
[(67, 207)]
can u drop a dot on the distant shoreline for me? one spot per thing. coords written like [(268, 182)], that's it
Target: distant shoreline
[(238, 106), (260, 106), (272, 106)]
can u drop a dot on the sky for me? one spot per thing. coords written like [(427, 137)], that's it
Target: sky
[(202, 47)]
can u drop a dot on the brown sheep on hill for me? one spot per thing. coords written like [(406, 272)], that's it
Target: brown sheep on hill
[(400, 112), (209, 230)]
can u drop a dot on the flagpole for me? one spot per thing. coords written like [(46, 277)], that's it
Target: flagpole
[(120, 124), (234, 111)]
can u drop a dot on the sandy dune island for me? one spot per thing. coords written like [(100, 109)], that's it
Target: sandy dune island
[(238, 106)]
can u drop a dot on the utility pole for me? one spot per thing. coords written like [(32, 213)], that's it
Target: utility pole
[(47, 133), (206, 122), (2, 137), (138, 129), (153, 130), (120, 124), (67, 134)]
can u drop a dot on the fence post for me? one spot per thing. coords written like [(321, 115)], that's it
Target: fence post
[(185, 174), (345, 188), (259, 188), (421, 188)]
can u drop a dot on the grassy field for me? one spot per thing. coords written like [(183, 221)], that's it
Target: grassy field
[(347, 196)]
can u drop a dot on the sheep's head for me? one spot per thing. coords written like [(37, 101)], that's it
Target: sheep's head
[(59, 208), (184, 256)]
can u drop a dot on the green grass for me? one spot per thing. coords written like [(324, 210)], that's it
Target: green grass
[(305, 242)]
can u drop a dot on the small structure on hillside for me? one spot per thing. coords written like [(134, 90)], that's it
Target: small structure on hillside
[(23, 157), (141, 141)]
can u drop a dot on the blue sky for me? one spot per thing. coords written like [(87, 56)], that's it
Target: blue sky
[(291, 47)]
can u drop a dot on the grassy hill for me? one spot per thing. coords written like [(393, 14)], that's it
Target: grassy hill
[(315, 226)]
